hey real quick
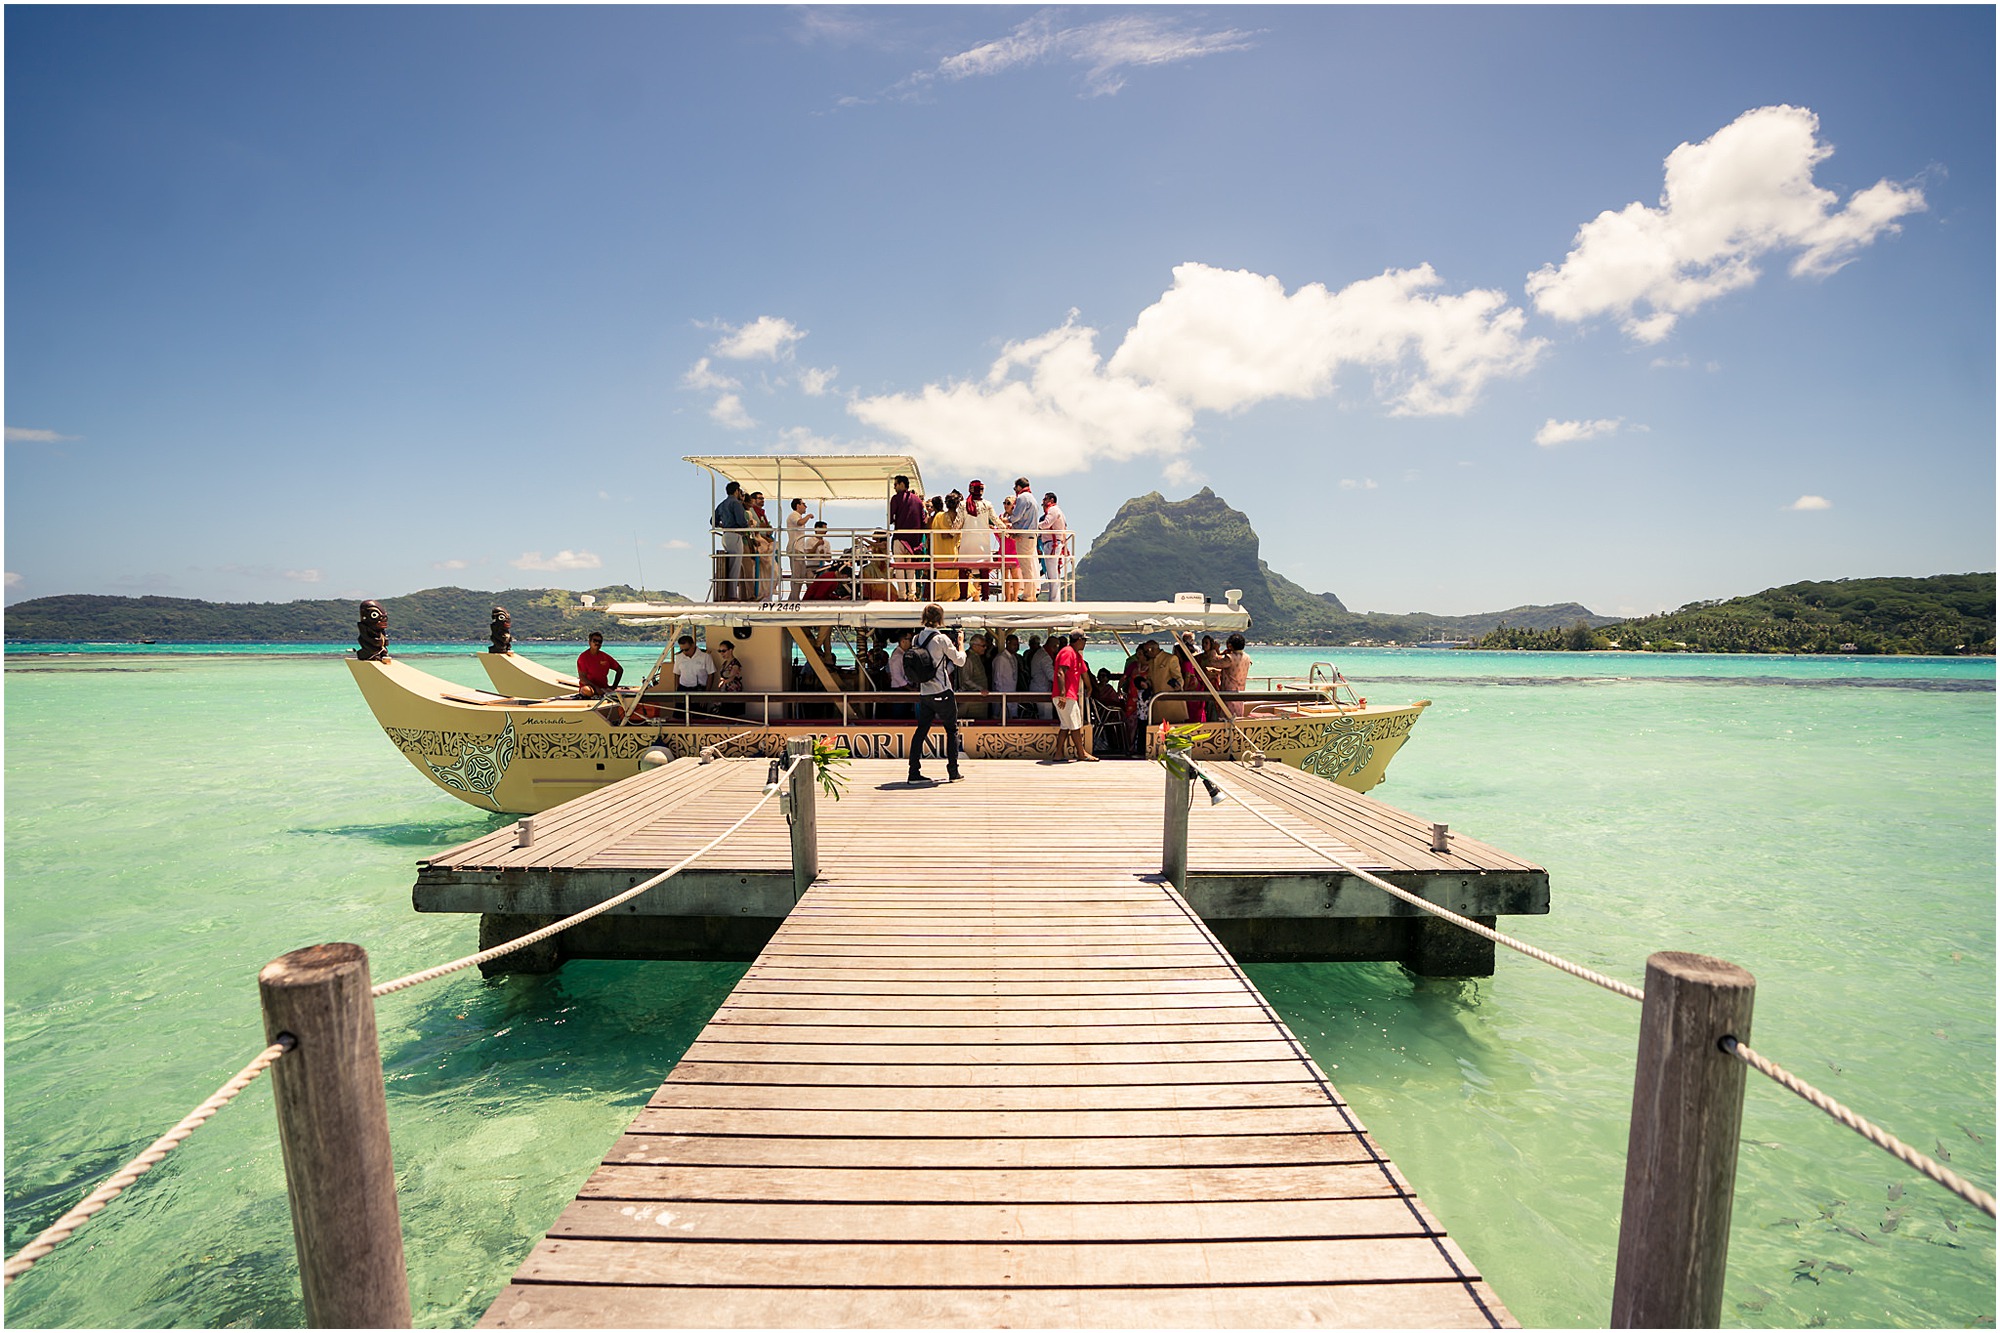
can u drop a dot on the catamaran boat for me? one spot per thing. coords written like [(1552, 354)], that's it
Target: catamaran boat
[(537, 739)]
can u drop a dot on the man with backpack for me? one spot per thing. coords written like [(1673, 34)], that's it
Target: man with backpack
[(929, 663)]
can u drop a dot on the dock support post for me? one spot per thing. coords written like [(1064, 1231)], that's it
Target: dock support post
[(1173, 849), (333, 1127), (802, 811), (1680, 1162)]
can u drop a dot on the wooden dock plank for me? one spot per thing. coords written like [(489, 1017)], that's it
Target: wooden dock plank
[(610, 1219), (1455, 1304)]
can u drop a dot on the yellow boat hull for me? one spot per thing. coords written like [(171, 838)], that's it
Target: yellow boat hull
[(521, 754)]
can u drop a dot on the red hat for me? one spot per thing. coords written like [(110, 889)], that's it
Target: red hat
[(976, 486)]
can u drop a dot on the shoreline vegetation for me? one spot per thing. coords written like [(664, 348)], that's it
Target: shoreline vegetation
[(1944, 615)]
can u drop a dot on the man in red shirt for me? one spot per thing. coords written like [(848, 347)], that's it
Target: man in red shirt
[(595, 668), (1067, 692)]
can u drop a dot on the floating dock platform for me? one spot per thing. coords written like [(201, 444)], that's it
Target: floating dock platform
[(1264, 896)]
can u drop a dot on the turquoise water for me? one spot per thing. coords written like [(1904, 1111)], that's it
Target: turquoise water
[(176, 819)]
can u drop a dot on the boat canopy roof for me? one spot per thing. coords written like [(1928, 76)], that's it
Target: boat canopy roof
[(1122, 617), (814, 476)]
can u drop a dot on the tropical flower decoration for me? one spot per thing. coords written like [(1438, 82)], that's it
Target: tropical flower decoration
[(827, 759)]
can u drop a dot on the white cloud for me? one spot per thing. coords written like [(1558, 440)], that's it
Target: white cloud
[(1046, 406), (1352, 484), (27, 435), (1805, 502), (1219, 341), (447, 564), (302, 575), (805, 440), (1555, 432), (765, 338), (814, 382), (1105, 48), (1742, 194), (13, 579), (1222, 339), (729, 412), (560, 562), (701, 375), (676, 544), (1180, 472)]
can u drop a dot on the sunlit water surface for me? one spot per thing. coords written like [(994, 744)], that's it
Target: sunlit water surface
[(176, 818)]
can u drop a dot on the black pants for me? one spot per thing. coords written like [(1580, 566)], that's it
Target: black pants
[(941, 708)]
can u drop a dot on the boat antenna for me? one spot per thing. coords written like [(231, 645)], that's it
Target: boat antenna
[(640, 562)]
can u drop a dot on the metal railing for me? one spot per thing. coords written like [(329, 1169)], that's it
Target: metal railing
[(886, 565)]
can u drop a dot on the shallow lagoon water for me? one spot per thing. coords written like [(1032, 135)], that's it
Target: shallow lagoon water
[(176, 818)]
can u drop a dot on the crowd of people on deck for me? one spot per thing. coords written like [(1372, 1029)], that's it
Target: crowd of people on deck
[(959, 546), (1035, 676)]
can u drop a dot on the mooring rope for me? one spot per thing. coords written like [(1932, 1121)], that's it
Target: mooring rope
[(1875, 1134), (65, 1225), (1520, 946), (556, 928), (144, 1162)]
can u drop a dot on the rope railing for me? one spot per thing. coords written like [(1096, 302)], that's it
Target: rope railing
[(1876, 1135), (557, 927), (1520, 946), (126, 1176), (66, 1225)]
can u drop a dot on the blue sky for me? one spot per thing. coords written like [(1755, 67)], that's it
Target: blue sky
[(1464, 307)]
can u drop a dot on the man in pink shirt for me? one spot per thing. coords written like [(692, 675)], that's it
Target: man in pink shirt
[(1067, 692)]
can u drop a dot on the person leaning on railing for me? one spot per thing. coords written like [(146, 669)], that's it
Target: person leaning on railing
[(732, 518)]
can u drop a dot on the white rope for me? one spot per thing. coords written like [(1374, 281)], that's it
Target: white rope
[(1520, 946), (173, 1138), (1881, 1138), (536, 937), (144, 1162)]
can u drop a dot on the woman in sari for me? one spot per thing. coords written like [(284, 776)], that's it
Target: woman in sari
[(945, 526)]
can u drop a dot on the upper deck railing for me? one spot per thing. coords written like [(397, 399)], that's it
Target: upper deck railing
[(887, 565)]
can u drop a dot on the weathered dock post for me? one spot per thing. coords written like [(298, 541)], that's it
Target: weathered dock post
[(333, 1126), (802, 813), (1173, 849), (1680, 1162)]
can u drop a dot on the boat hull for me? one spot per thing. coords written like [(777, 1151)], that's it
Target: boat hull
[(514, 674), (522, 755)]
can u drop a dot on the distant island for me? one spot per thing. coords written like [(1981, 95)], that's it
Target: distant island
[(435, 615), (1152, 548), (1155, 547), (1945, 615)]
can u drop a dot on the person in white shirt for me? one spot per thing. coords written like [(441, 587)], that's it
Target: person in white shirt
[(1055, 537), (1005, 672), (693, 667), (797, 529), (1023, 523)]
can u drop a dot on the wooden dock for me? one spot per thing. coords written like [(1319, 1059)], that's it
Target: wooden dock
[(951, 1094), (1267, 898), (992, 1070)]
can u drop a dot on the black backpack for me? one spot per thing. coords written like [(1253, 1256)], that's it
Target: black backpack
[(919, 667)]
